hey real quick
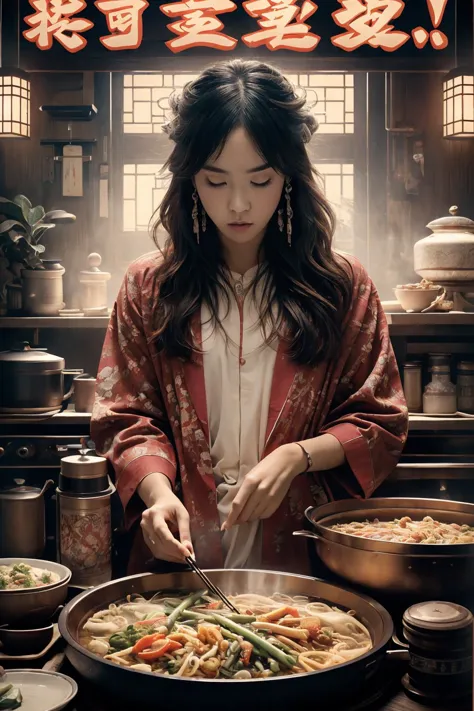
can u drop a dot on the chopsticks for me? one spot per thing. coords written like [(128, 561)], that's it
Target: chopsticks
[(209, 584)]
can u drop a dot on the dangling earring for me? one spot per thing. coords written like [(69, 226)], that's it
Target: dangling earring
[(203, 219), (195, 216), (281, 224), (289, 210)]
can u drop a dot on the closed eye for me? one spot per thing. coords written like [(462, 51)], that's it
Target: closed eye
[(262, 185), (214, 185)]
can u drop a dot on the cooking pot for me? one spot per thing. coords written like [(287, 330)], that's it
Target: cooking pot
[(143, 688), (22, 520), (33, 381), (443, 572)]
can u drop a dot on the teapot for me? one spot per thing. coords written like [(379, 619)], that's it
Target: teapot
[(22, 520)]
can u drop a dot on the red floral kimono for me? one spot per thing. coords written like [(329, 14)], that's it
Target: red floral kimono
[(151, 416)]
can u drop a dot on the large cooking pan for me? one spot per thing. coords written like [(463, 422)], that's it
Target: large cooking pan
[(429, 571), (144, 687)]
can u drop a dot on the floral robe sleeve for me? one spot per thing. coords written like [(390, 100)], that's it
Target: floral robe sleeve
[(129, 424), (368, 413)]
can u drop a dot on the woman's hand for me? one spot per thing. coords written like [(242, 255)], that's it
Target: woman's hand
[(164, 516), (266, 485)]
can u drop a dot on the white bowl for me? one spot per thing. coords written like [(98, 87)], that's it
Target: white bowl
[(416, 299), (41, 690), (39, 602)]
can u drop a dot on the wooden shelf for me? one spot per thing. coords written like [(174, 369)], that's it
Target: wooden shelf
[(54, 322), (449, 423)]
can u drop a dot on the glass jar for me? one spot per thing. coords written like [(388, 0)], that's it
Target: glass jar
[(412, 386), (465, 386), (439, 397)]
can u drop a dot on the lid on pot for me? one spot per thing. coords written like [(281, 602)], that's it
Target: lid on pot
[(438, 616), (24, 353), (83, 466), (94, 273), (466, 365), (453, 223)]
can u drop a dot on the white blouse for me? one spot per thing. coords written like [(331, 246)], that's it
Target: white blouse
[(238, 374)]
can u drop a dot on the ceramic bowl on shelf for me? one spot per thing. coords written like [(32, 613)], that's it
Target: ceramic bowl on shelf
[(416, 299)]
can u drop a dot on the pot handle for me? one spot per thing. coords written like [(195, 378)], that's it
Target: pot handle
[(47, 484), (69, 376), (306, 534)]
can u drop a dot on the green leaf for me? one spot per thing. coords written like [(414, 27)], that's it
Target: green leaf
[(9, 225), (24, 203), (59, 216), (36, 214), (11, 209), (42, 228)]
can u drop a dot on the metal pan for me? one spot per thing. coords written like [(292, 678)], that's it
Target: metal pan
[(430, 571), (144, 687)]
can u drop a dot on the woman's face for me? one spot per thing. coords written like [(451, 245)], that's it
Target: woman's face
[(239, 192)]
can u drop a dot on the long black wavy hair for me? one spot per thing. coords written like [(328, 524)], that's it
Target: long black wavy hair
[(308, 283)]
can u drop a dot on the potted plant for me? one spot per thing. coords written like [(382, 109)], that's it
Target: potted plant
[(22, 228)]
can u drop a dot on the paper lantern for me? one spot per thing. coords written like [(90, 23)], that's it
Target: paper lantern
[(15, 104), (458, 103)]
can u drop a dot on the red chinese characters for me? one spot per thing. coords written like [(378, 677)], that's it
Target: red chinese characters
[(125, 22), (199, 25), (53, 19), (282, 25), (367, 22)]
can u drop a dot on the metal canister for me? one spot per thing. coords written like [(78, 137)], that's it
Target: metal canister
[(83, 473), (84, 535), (465, 386), (412, 386), (439, 635)]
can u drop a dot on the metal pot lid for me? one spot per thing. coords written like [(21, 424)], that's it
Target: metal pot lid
[(20, 492), (24, 353), (436, 615), (453, 223), (83, 466)]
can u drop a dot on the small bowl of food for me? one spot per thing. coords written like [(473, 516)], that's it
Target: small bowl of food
[(418, 297), (31, 589)]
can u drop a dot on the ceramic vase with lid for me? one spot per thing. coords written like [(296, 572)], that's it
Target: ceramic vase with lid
[(93, 298), (447, 256)]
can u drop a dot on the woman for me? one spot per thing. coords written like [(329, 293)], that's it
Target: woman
[(247, 364)]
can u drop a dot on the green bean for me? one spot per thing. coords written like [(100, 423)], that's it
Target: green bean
[(258, 641), (198, 616), (241, 619), (274, 666), (188, 602), (281, 645), (225, 672), (259, 666)]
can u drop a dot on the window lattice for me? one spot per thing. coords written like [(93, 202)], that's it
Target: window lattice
[(338, 185), (330, 98), (146, 97), (144, 187)]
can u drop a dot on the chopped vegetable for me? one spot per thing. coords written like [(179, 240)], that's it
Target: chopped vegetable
[(275, 615), (277, 654), (188, 602), (168, 646), (146, 642), (11, 699), (246, 652)]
